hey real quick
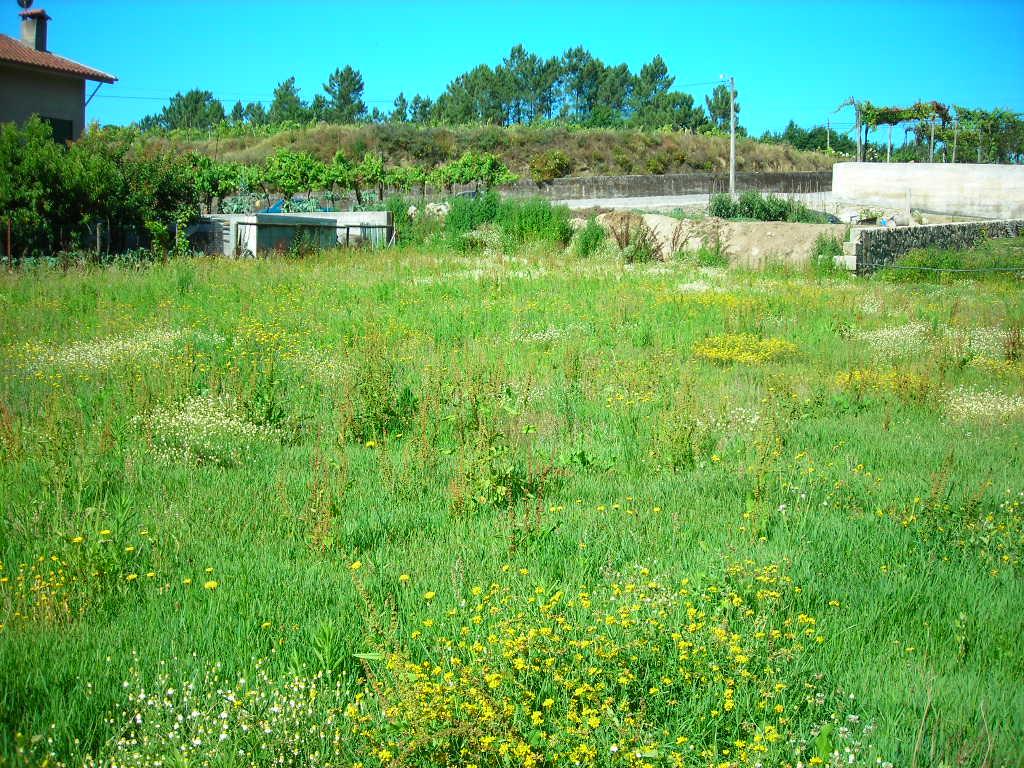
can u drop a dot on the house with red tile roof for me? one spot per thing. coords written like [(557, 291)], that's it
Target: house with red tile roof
[(34, 81)]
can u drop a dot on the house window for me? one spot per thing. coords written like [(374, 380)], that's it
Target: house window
[(63, 130)]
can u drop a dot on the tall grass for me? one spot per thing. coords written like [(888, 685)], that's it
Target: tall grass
[(996, 259), (411, 508), (754, 206)]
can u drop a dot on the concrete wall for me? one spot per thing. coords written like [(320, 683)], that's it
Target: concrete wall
[(240, 234), (960, 189), (575, 188), (877, 246), (24, 92)]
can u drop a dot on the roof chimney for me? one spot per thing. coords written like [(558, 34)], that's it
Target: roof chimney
[(33, 29)]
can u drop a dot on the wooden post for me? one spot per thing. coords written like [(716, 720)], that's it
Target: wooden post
[(9, 254)]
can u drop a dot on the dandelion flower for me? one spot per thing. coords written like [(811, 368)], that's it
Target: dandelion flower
[(404, 578), (131, 577), (211, 584), (77, 540), (429, 596), (355, 566), (105, 532), (186, 581)]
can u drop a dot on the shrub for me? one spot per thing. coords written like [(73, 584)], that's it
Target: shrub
[(711, 256), (722, 206), (534, 219), (589, 238), (550, 165), (467, 213), (636, 242), (753, 205), (823, 255)]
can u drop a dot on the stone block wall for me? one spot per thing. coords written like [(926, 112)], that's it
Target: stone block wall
[(878, 246)]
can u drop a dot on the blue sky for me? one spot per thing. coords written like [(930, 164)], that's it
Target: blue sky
[(790, 59)]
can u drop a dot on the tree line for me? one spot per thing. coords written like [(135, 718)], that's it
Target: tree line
[(113, 186), (523, 89), (963, 135)]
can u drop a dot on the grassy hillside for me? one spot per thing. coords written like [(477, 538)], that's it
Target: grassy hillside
[(416, 508), (592, 151)]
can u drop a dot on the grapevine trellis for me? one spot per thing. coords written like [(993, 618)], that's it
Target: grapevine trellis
[(934, 120)]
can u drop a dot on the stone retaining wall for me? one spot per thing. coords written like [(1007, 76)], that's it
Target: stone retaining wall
[(879, 246), (575, 188)]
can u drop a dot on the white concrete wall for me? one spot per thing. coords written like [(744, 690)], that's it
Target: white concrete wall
[(960, 189), (242, 240)]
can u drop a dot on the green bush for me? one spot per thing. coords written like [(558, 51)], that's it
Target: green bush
[(823, 255), (589, 238), (798, 212), (550, 165), (722, 206), (753, 205), (518, 221), (467, 213), (534, 219), (708, 256), (54, 195)]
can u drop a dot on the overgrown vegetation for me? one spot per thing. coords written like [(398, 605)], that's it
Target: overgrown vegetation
[(827, 249), (589, 238), (757, 207), (591, 151), (535, 508), (994, 259)]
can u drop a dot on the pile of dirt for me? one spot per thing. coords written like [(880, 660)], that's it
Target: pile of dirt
[(744, 243)]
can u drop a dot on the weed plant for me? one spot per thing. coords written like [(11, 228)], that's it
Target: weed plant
[(410, 507), (754, 206), (994, 259)]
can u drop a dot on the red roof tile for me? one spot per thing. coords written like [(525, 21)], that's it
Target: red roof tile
[(16, 52)]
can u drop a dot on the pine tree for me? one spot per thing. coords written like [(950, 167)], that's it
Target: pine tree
[(344, 89)]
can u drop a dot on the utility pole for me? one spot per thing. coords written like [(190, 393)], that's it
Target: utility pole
[(828, 135), (931, 142), (888, 148), (956, 128), (732, 136), (860, 138)]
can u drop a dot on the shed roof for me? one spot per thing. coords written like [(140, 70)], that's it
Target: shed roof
[(16, 52)]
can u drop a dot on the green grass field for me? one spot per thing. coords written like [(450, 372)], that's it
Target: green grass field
[(417, 509)]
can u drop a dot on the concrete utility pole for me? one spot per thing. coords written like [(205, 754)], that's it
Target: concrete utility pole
[(732, 135), (860, 138), (956, 128)]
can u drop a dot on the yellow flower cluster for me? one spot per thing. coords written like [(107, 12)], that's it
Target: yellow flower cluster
[(531, 675), (903, 384), (742, 348), (1012, 368)]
